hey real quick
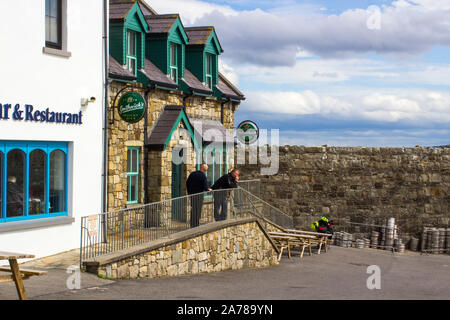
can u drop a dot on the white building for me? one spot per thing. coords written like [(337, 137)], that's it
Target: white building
[(51, 146)]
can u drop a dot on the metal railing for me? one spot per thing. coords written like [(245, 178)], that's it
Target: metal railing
[(243, 199), (117, 230), (253, 186)]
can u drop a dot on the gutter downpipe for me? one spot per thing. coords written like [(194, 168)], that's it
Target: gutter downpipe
[(106, 116), (221, 109), (147, 92)]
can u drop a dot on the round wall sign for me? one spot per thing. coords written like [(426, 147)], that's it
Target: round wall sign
[(131, 107), (247, 132)]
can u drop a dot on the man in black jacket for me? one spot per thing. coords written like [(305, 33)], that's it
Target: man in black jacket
[(196, 184), (227, 181)]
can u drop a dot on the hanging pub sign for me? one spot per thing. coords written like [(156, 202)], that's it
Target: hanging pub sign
[(247, 132), (131, 107)]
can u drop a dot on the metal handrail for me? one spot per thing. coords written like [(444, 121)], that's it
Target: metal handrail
[(116, 230)]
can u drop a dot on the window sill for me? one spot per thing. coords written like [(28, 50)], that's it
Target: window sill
[(32, 224), (56, 52), (133, 205)]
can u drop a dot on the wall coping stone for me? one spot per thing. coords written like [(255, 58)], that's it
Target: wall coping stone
[(172, 239)]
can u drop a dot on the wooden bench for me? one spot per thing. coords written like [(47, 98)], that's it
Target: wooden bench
[(319, 238), (282, 242), (17, 275), (288, 240)]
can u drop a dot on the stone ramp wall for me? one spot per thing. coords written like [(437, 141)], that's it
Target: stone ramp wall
[(363, 185), (232, 244)]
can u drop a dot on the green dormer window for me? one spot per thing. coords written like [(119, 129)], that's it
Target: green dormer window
[(165, 44), (127, 30), (209, 70), (202, 54), (173, 62), (131, 51)]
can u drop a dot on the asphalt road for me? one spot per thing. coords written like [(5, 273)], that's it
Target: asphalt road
[(339, 274)]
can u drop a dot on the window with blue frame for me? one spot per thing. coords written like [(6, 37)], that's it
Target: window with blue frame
[(216, 159), (173, 62), (209, 70), (33, 180), (133, 175)]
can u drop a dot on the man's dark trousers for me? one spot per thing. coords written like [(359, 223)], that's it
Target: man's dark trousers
[(220, 202), (196, 209)]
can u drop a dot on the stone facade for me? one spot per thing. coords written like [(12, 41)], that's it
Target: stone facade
[(122, 135), (233, 247), (362, 185)]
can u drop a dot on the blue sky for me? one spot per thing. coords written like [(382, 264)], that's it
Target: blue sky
[(335, 72)]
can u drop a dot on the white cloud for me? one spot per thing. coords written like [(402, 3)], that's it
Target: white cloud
[(189, 10), (369, 138), (273, 38), (228, 72), (419, 106)]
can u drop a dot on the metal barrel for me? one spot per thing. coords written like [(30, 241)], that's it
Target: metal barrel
[(435, 241), (441, 240), (366, 243), (423, 240), (401, 248), (414, 244), (391, 223), (389, 243), (360, 243), (429, 246), (447, 241), (374, 239)]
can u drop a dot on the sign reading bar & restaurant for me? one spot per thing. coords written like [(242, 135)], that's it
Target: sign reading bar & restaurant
[(131, 107), (29, 113)]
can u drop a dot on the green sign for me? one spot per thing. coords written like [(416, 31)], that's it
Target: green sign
[(131, 107)]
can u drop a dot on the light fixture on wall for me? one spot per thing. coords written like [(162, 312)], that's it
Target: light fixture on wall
[(85, 101)]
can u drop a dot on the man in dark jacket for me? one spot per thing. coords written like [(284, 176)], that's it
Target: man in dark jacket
[(227, 181), (196, 184)]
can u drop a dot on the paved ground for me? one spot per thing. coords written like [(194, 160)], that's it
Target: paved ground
[(339, 274)]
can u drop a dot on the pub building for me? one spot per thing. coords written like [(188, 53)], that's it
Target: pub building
[(83, 132), (50, 125), (189, 112)]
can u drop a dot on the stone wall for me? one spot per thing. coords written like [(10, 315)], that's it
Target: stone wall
[(235, 246), (361, 185)]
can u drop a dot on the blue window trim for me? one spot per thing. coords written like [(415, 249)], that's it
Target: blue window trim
[(27, 147), (135, 174), (224, 166)]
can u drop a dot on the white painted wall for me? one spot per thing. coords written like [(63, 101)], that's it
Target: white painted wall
[(29, 76)]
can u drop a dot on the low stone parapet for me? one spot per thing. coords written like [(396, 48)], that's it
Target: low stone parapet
[(226, 245)]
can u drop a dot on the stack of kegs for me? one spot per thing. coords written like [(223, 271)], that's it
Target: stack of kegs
[(435, 240), (441, 240), (360, 243), (389, 243), (447, 241), (383, 237), (374, 239), (366, 243)]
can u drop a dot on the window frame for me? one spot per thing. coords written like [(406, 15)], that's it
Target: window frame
[(50, 44), (173, 66), (133, 174), (27, 147), (129, 57), (209, 64), (223, 166)]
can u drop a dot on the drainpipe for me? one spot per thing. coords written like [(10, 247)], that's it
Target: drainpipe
[(221, 109), (106, 100), (147, 92), (185, 98)]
